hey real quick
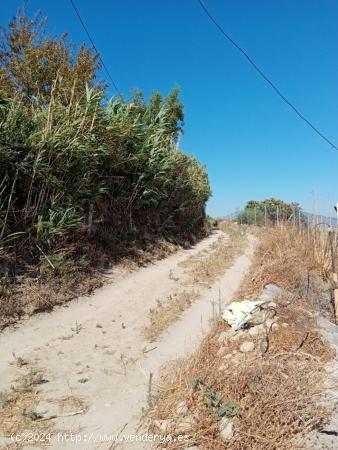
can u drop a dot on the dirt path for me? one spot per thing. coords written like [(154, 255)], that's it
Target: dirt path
[(94, 349)]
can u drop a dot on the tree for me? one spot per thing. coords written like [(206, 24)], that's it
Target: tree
[(268, 208), (33, 64)]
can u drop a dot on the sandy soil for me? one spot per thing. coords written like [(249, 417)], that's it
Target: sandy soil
[(94, 349)]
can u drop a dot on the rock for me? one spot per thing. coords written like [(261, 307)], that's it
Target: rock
[(222, 337), (226, 335), (257, 330), (269, 323), (238, 334), (236, 357), (285, 325), (247, 347), (272, 305), (230, 358), (270, 292), (226, 429), (185, 425), (194, 447), (258, 314), (222, 351), (275, 327), (182, 409), (163, 425)]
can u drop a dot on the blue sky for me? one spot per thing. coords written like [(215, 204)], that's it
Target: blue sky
[(252, 144)]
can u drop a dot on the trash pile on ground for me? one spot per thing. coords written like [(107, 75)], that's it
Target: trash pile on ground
[(248, 313)]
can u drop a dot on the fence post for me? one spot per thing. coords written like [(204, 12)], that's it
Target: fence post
[(265, 214), (334, 272), (299, 218)]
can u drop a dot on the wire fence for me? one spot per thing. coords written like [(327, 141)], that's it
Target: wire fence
[(273, 214)]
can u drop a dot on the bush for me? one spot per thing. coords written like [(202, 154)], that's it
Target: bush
[(93, 166), (251, 216)]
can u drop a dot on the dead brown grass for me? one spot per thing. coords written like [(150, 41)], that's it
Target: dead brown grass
[(276, 387), (18, 409), (168, 312), (204, 268), (18, 406), (70, 405), (201, 271), (284, 257)]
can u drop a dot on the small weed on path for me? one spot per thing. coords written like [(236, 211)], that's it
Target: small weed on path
[(200, 271)]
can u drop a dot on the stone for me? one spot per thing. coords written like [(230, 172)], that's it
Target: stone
[(226, 335), (226, 429), (270, 292), (182, 409), (256, 330), (247, 346), (269, 323), (238, 334), (237, 359), (285, 325), (275, 327), (222, 337), (222, 351)]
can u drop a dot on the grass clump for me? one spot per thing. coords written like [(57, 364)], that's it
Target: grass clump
[(168, 312), (204, 268), (200, 270)]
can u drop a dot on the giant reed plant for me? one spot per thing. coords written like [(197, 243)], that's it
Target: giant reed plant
[(93, 167)]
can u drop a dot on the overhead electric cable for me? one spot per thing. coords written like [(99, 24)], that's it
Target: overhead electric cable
[(94, 46), (265, 77)]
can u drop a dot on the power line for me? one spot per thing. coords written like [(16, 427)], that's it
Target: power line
[(94, 46), (265, 77)]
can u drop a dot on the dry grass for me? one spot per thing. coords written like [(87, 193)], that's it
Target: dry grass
[(70, 404), (168, 312), (275, 397), (18, 408), (204, 268), (284, 257), (201, 271), (275, 387)]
